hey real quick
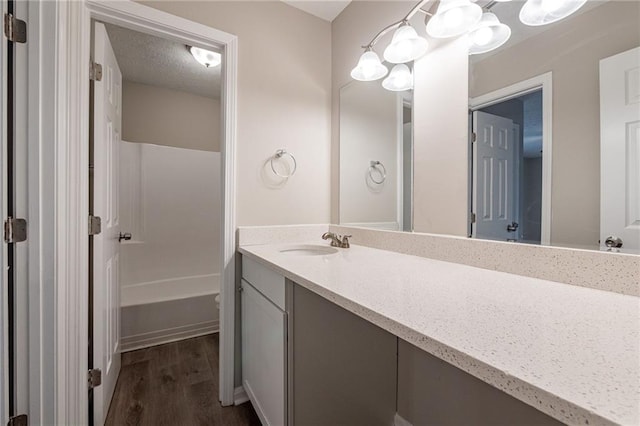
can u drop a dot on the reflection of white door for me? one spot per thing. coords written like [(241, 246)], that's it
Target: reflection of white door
[(494, 181), (106, 287), (620, 149)]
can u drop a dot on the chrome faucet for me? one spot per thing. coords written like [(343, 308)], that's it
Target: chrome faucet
[(337, 240)]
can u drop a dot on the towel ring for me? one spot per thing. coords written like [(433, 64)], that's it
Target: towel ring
[(374, 166), (279, 154)]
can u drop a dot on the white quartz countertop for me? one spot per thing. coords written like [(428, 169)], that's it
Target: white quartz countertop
[(571, 352)]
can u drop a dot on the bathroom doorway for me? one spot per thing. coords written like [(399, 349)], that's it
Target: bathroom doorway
[(155, 174), (508, 174)]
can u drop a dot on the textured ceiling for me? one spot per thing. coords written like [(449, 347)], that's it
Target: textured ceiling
[(153, 60), (326, 9)]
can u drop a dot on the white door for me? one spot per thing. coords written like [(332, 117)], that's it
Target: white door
[(106, 285), (495, 184), (620, 149)]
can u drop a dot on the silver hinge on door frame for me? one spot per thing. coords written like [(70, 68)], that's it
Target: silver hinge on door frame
[(95, 71), (19, 420), (15, 29), (474, 137), (15, 230), (95, 225), (472, 218), (94, 378)]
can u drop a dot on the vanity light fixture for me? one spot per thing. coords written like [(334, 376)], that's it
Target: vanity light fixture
[(488, 35), (454, 18), (205, 57), (369, 67), (400, 79), (406, 45), (543, 12)]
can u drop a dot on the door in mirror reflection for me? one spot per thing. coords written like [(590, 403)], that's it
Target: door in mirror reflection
[(506, 187), (620, 151)]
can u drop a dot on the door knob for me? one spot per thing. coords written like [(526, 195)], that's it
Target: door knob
[(512, 227), (126, 236), (613, 242)]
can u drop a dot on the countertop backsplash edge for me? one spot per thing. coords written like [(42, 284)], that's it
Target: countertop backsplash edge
[(615, 272)]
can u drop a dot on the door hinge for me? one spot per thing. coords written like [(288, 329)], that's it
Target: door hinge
[(19, 420), (15, 230), (95, 71), (472, 217), (15, 29), (474, 137), (95, 225), (94, 378)]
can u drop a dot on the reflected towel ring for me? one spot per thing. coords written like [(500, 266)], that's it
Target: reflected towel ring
[(279, 154), (374, 166)]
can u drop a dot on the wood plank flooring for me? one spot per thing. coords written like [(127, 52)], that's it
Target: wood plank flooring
[(174, 384)]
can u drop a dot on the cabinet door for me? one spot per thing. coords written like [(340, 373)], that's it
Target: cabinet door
[(263, 355), (344, 367)]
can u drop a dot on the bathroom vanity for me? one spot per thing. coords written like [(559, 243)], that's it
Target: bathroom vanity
[(367, 336)]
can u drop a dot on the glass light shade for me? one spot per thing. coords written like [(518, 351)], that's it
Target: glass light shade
[(406, 46), (488, 35), (206, 57), (454, 18), (543, 12), (369, 67), (399, 79)]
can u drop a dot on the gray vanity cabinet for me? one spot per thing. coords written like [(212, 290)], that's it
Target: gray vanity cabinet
[(344, 368), (307, 361), (433, 392), (264, 341)]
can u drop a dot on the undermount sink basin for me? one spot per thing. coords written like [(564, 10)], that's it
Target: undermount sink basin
[(309, 250)]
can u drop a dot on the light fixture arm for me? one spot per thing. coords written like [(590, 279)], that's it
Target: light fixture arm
[(417, 8), (489, 5), (424, 12)]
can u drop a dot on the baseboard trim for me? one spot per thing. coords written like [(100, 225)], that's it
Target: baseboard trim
[(398, 420), (240, 396), (159, 337)]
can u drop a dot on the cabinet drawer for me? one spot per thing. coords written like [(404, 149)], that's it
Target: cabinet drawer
[(266, 281)]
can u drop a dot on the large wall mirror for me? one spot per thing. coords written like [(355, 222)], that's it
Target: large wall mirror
[(554, 131), (375, 157)]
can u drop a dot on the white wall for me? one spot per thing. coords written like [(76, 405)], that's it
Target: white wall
[(284, 101), (161, 116), (369, 129), (441, 139), (170, 202)]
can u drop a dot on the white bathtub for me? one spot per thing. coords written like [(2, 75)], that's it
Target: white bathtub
[(169, 289), (168, 310)]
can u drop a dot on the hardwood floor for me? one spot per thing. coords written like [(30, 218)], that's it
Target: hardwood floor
[(174, 384)]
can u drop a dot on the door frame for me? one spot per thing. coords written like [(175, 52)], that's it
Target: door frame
[(4, 302), (399, 162), (544, 82), (71, 31)]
